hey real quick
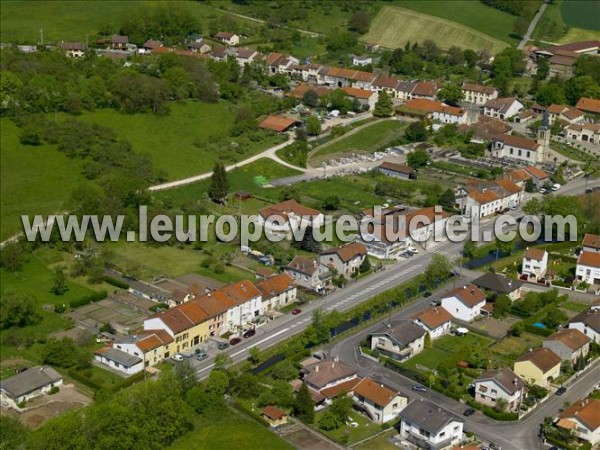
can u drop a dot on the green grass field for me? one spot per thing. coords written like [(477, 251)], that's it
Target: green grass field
[(230, 430), (21, 21), (476, 15), (35, 180), (583, 14), (567, 21), (367, 139), (170, 138), (393, 27)]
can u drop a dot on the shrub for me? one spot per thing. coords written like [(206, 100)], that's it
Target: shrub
[(54, 390), (115, 282), (95, 297)]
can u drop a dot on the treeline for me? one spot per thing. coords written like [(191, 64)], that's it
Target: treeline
[(521, 8), (48, 81)]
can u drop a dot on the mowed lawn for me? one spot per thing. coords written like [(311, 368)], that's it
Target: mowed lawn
[(35, 180), (393, 27), (170, 139), (230, 430), (367, 139), (583, 14)]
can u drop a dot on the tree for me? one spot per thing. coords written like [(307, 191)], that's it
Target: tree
[(533, 206), (502, 306), (505, 248), (217, 382), (12, 433), (340, 101), (12, 256), (365, 266), (551, 93), (313, 126), (384, 106), (18, 311), (359, 22), (455, 56), (554, 317), (416, 132), (310, 98), (427, 342), (218, 185), (255, 356), (329, 421), (305, 405), (60, 283), (308, 242), (222, 360), (448, 198), (543, 69), (341, 408), (185, 376), (451, 93), (438, 270), (331, 203), (417, 158), (517, 329), (64, 353), (501, 404), (529, 186), (469, 249)]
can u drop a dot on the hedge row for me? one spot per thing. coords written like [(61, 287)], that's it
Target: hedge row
[(129, 381), (491, 412), (95, 297), (535, 330), (115, 282), (78, 376), (239, 405)]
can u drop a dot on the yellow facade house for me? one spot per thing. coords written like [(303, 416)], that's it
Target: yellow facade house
[(540, 366)]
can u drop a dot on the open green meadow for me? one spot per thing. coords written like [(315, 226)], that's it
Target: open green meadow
[(230, 430), (581, 14), (367, 139), (35, 180), (170, 139), (566, 21), (75, 21), (476, 15), (393, 27)]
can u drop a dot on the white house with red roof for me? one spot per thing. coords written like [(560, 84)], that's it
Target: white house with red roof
[(464, 302), (345, 259), (478, 93), (435, 320), (289, 215), (535, 264), (517, 147), (502, 108)]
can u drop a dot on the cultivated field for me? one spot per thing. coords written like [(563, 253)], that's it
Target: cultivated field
[(475, 15), (583, 14), (393, 27), (569, 21)]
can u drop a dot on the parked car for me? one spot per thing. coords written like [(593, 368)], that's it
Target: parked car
[(413, 250), (419, 388), (235, 341), (222, 345), (202, 355), (468, 412), (436, 302), (561, 390), (249, 333), (555, 187), (296, 311), (177, 357)]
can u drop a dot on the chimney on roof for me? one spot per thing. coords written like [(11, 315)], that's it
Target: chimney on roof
[(464, 286), (515, 381), (316, 368)]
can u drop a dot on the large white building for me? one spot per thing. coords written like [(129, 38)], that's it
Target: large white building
[(516, 147), (428, 426), (486, 198), (28, 384), (478, 93), (381, 403), (502, 108), (535, 263)]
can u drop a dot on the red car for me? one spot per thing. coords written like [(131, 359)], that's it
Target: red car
[(296, 311), (235, 341)]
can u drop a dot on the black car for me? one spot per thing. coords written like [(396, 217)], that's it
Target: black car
[(561, 390), (468, 412), (249, 333), (235, 341)]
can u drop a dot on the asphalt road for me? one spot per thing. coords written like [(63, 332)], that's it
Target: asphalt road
[(532, 26), (356, 292), (510, 435)]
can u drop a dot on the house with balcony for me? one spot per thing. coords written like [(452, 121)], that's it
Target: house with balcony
[(535, 264), (500, 384), (309, 273), (426, 425), (378, 401), (399, 340), (588, 322), (582, 418)]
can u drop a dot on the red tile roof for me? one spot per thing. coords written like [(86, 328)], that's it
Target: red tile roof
[(433, 317), (275, 285), (589, 105), (277, 123), (538, 173), (274, 413), (425, 89), (534, 253), (591, 259), (376, 392), (288, 207), (489, 90), (351, 74), (543, 358), (396, 167), (517, 141), (517, 175), (348, 251), (570, 337), (591, 240), (341, 388), (469, 294), (302, 89), (153, 339), (587, 411), (224, 35), (358, 93)]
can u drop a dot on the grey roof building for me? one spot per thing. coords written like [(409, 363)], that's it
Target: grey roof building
[(125, 359), (428, 426), (29, 382), (500, 284)]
